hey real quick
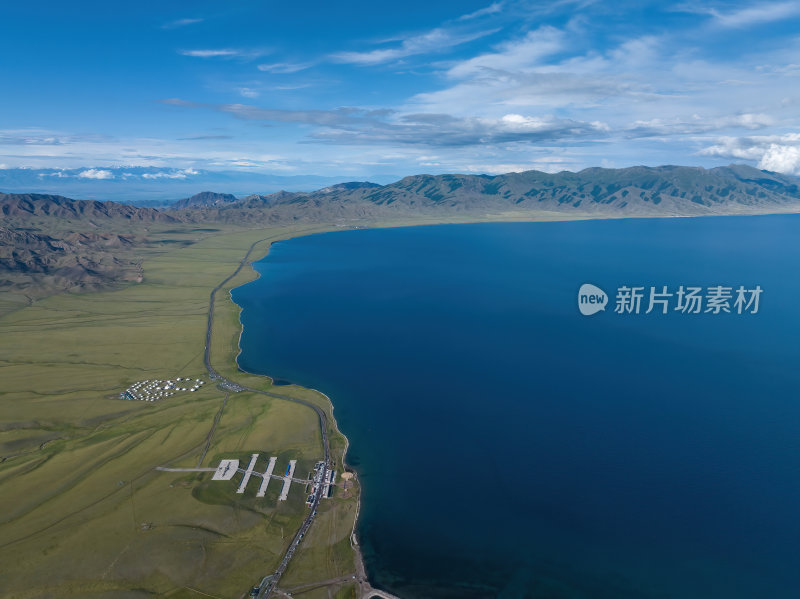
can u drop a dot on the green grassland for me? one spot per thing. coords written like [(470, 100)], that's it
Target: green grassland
[(83, 512), (118, 263)]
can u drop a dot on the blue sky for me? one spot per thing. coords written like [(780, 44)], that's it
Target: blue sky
[(361, 90)]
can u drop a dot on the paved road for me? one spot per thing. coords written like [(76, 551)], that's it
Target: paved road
[(165, 469), (382, 594), (270, 585)]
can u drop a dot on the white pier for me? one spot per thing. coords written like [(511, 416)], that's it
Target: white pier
[(226, 470), (267, 475), (248, 473), (287, 481)]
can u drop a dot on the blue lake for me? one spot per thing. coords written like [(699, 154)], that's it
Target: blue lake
[(509, 446)]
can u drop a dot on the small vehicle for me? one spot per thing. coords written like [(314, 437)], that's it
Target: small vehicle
[(254, 591)]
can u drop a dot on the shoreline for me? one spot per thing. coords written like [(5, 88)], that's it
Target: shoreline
[(365, 589), (154, 330)]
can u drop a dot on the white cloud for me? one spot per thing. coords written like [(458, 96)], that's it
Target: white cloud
[(93, 173), (34, 136), (643, 87), (779, 153), (282, 68), (209, 53), (435, 40), (781, 158), (581, 91), (498, 169), (443, 130), (290, 87), (745, 17), (551, 164), (522, 73), (170, 174), (224, 53), (749, 121), (256, 162), (525, 53), (181, 23), (698, 124), (526, 124), (493, 8)]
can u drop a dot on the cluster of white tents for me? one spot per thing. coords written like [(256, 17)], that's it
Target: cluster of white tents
[(151, 390)]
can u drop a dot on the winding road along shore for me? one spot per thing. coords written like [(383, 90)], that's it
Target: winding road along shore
[(271, 580)]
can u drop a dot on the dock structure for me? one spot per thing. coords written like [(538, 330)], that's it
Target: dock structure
[(287, 481), (326, 491), (247, 474), (267, 475), (226, 470)]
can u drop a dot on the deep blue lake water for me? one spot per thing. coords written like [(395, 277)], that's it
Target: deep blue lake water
[(509, 446)]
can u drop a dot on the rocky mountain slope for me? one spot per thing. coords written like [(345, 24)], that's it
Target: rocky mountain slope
[(205, 199), (51, 243), (28, 206), (39, 264), (636, 191)]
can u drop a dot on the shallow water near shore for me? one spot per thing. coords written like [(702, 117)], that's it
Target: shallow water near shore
[(509, 446)]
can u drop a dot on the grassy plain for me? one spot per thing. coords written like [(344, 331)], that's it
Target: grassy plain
[(83, 513)]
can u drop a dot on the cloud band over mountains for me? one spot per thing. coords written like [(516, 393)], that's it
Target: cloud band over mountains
[(506, 83)]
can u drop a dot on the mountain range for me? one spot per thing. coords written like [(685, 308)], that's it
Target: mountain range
[(50, 243), (152, 186), (635, 191), (31, 207)]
